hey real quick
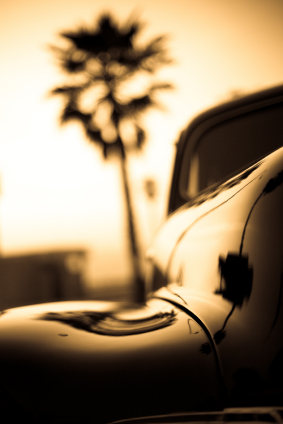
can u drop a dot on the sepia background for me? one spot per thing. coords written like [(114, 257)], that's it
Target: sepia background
[(58, 194)]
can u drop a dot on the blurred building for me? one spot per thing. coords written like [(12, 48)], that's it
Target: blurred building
[(42, 277)]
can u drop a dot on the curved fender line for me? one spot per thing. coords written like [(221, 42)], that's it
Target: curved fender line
[(221, 384), (182, 235)]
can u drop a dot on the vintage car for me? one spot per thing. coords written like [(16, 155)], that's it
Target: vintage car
[(210, 336)]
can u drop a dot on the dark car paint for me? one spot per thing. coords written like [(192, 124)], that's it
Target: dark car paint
[(225, 261), (83, 363)]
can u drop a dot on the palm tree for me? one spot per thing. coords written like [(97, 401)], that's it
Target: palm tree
[(104, 65)]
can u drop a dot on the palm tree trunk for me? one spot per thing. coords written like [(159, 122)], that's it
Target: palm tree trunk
[(139, 286)]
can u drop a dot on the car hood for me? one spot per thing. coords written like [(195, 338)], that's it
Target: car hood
[(106, 360)]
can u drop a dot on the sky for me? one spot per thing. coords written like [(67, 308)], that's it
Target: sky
[(56, 190)]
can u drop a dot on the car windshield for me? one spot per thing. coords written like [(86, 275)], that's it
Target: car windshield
[(231, 145)]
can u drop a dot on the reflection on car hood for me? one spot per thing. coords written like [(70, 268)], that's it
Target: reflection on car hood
[(78, 358)]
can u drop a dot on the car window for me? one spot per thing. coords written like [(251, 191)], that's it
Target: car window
[(233, 144)]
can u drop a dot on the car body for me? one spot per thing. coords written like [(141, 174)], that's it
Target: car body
[(209, 336), (225, 261)]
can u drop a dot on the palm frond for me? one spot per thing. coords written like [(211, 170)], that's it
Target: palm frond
[(134, 29), (140, 137), (106, 36), (70, 113), (139, 104), (58, 51), (85, 41), (94, 135), (161, 86), (146, 59), (73, 66), (69, 90), (116, 116), (154, 47)]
